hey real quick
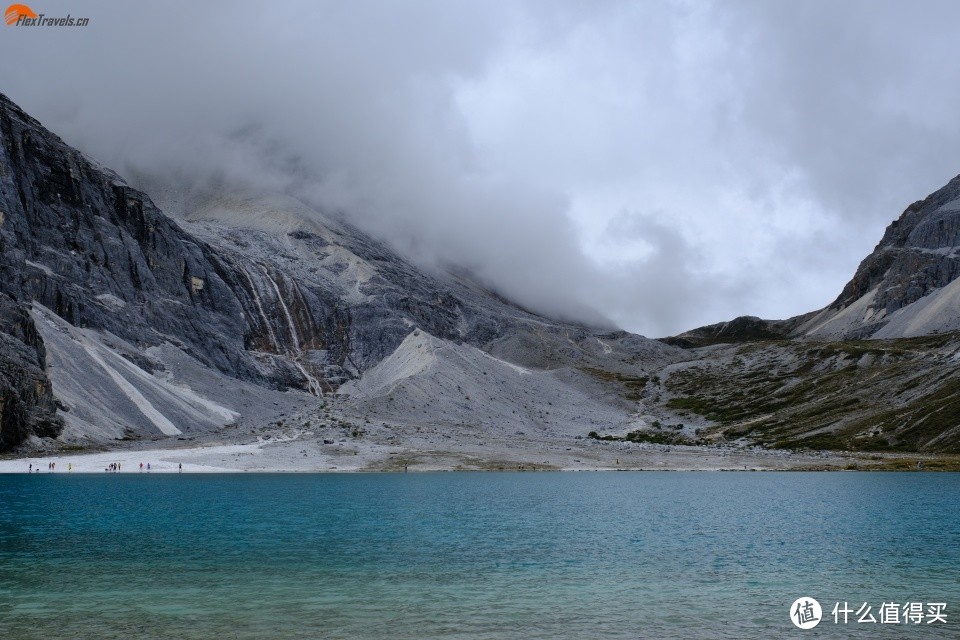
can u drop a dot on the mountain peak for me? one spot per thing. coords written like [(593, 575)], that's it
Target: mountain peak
[(258, 289), (903, 288)]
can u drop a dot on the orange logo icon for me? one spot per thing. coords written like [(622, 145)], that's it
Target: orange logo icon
[(14, 12)]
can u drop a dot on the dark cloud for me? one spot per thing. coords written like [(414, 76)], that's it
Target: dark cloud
[(667, 164)]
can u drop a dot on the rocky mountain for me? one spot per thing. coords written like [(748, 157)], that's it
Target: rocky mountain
[(120, 323), (876, 370), (255, 316), (742, 329), (27, 405), (908, 286)]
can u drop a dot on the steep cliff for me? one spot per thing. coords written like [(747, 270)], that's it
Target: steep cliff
[(76, 239), (258, 288), (27, 404), (909, 285), (877, 369)]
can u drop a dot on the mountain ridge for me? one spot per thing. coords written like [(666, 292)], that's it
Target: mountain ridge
[(255, 316), (260, 290), (906, 287)]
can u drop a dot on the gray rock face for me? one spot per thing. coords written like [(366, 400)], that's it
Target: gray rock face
[(906, 287), (27, 404), (264, 290), (916, 255), (77, 240), (909, 286)]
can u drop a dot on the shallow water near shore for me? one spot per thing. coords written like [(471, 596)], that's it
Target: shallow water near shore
[(472, 555)]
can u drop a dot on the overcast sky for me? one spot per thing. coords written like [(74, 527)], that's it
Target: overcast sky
[(668, 164)]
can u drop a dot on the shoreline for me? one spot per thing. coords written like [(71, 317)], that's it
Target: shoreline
[(234, 472), (291, 456)]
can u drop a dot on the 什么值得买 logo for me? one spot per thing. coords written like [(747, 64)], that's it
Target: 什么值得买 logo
[(805, 613)]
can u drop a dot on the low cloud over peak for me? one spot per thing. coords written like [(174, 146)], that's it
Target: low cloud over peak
[(667, 164)]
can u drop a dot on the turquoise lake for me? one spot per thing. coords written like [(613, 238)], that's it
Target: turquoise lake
[(473, 555)]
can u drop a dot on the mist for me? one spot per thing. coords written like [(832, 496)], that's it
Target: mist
[(663, 165)]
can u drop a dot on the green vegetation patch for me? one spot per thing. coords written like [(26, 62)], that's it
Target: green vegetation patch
[(814, 395), (633, 385)]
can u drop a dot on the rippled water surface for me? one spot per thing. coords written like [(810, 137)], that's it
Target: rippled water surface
[(461, 555)]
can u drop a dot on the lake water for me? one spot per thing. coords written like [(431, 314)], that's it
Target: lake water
[(473, 555)]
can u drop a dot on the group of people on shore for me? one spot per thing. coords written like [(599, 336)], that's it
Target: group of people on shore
[(51, 467), (113, 467)]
